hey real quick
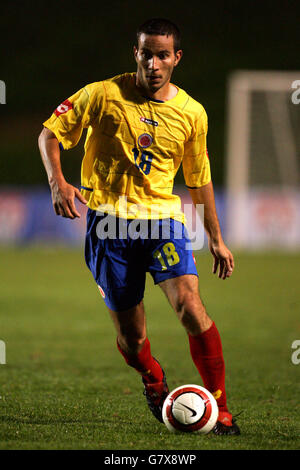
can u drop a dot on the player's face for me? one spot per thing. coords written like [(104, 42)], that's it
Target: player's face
[(156, 59)]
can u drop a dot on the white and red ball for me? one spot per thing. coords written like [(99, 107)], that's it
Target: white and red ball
[(190, 408)]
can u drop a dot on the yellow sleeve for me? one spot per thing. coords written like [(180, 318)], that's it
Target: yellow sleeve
[(76, 113), (195, 163)]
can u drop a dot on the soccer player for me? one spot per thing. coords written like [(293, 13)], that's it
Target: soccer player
[(140, 129)]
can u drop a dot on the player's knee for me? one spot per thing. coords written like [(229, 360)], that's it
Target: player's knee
[(191, 312), (188, 302), (131, 343)]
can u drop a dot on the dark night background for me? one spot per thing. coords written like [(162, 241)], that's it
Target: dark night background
[(51, 49)]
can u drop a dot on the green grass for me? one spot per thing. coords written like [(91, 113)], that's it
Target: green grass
[(65, 385)]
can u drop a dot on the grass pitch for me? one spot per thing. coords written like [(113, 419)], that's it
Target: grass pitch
[(65, 385)]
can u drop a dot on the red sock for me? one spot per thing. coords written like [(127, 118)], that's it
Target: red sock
[(144, 363), (206, 351)]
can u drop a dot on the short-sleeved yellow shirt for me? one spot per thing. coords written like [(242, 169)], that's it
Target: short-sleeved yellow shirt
[(134, 147)]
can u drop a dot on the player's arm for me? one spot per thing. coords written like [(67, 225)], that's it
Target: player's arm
[(63, 194), (223, 258)]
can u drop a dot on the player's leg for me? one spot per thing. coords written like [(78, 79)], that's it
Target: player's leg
[(204, 340), (133, 343), (118, 267), (134, 346), (183, 295), (172, 266)]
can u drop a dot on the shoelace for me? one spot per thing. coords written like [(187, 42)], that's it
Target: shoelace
[(235, 416)]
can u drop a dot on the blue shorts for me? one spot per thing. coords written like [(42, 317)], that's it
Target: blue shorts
[(119, 252)]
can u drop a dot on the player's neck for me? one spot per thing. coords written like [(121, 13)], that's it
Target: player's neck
[(166, 93)]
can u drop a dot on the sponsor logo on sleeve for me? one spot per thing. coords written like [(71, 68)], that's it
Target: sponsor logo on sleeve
[(63, 108)]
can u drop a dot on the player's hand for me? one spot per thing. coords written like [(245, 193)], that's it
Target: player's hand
[(223, 259), (63, 199)]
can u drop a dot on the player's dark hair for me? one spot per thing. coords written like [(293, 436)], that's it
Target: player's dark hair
[(160, 27)]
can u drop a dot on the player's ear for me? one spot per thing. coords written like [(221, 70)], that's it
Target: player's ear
[(135, 51), (178, 55)]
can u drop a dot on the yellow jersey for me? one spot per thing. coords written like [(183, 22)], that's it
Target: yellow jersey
[(134, 147)]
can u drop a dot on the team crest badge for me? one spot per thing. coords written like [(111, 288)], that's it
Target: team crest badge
[(145, 140)]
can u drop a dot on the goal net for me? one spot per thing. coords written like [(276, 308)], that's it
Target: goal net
[(263, 160)]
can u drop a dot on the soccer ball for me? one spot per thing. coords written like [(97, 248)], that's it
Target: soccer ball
[(190, 408)]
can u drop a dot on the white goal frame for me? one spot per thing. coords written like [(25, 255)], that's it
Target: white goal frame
[(240, 85)]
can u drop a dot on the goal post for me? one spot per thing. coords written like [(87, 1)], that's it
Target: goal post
[(263, 159)]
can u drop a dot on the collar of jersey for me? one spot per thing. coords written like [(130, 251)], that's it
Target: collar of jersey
[(153, 99), (176, 99)]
